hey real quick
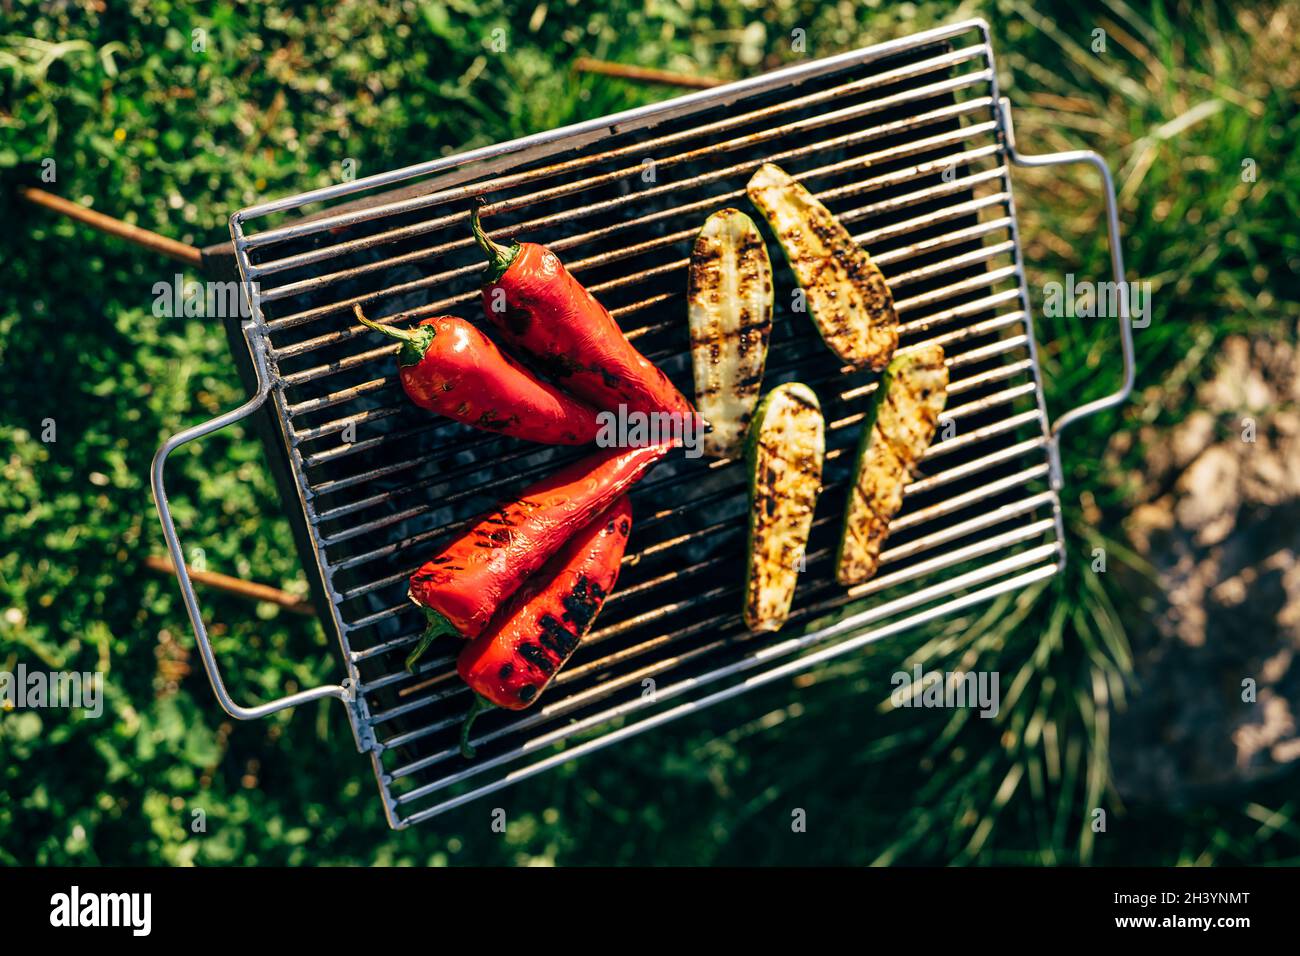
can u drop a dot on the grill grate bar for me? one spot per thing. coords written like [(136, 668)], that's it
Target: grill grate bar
[(636, 152), (902, 523), (915, 326), (996, 324), (933, 64), (574, 673), (627, 731), (609, 233), (885, 259), (954, 388), (982, 104), (329, 541), (977, 231), (748, 662), (936, 450), (439, 306), (580, 699), (676, 266), (316, 283), (923, 272), (494, 486)]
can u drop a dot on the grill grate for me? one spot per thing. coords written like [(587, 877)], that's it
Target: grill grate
[(906, 142)]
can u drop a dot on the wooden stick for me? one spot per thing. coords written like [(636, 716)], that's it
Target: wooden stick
[(237, 586), (638, 74), (179, 251)]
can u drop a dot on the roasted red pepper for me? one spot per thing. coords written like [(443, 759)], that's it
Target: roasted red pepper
[(470, 579), (514, 660), (542, 310), (448, 366)]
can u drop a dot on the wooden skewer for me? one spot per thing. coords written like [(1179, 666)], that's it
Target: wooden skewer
[(639, 74), (179, 251), (237, 586)]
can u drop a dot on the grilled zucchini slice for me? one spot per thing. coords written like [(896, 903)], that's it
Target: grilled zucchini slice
[(783, 450), (844, 291), (897, 431), (729, 305)]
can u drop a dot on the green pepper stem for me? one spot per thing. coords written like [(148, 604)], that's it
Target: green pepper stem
[(480, 704), (438, 626), (499, 256), (415, 342)]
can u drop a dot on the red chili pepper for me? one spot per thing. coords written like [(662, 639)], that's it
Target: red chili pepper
[(468, 581), (448, 366), (544, 311), (514, 660)]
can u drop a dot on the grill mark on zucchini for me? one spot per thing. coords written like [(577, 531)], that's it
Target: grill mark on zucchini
[(846, 294), (898, 429), (785, 447), (729, 305)]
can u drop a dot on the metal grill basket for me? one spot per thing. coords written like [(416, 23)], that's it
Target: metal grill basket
[(908, 142)]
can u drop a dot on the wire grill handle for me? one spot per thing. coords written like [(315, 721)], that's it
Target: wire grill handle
[(1116, 264), (343, 691)]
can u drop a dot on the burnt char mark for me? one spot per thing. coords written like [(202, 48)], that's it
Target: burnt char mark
[(517, 320), (506, 670), (536, 655), (559, 366), (503, 517), (743, 339), (582, 603), (430, 576), (610, 379), (556, 638), (794, 396), (527, 692), (490, 422), (751, 248), (625, 527), (704, 266)]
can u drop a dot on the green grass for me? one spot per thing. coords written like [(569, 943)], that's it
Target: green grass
[(145, 128)]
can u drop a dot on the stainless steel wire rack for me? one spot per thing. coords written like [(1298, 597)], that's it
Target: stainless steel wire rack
[(908, 142)]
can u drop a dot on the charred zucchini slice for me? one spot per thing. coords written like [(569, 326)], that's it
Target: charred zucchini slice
[(845, 293), (784, 450), (897, 431), (729, 305)]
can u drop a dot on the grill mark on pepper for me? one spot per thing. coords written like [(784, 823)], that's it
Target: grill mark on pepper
[(582, 603), (517, 319), (554, 636), (489, 422), (537, 656)]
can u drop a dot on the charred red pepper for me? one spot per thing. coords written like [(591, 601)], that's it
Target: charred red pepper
[(448, 366), (463, 585), (542, 310), (514, 660)]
